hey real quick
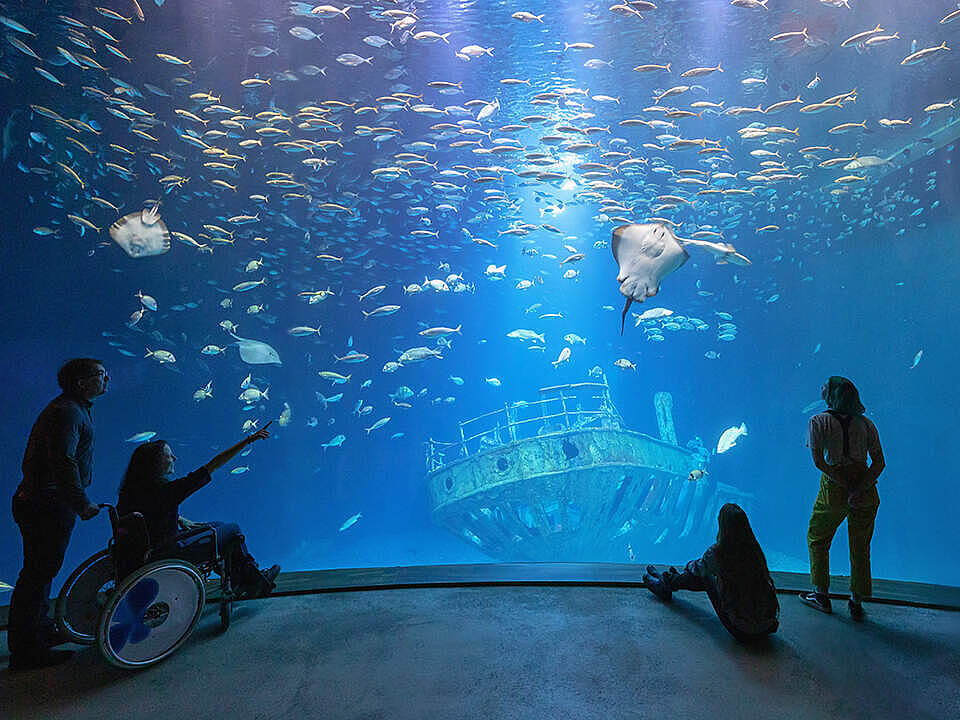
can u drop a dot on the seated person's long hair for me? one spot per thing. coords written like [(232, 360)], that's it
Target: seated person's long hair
[(740, 556), (145, 468)]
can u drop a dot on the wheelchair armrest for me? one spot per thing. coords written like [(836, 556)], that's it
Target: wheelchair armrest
[(198, 546)]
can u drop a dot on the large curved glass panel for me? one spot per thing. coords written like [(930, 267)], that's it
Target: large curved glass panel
[(394, 231)]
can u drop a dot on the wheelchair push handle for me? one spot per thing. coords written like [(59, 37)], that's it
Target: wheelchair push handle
[(112, 511)]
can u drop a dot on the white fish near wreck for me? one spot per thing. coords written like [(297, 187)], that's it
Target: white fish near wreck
[(729, 437)]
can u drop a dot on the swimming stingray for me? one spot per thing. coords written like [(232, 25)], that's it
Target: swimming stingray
[(142, 233), (254, 352), (645, 253)]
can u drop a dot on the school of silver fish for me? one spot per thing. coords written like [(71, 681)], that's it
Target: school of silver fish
[(343, 201)]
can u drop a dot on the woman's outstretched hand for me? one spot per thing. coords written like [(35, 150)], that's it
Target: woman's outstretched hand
[(260, 434), (231, 452)]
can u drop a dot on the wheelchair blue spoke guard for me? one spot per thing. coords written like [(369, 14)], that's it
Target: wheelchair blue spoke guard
[(151, 614)]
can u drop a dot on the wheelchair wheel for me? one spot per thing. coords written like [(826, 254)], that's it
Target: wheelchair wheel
[(83, 597), (151, 613)]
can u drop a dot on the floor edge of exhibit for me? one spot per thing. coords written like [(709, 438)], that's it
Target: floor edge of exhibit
[(308, 582)]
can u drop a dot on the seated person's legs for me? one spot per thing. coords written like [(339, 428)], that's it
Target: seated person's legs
[(196, 545), (245, 575), (693, 577), (663, 584)]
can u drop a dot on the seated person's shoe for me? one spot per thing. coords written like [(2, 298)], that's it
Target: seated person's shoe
[(262, 586), (35, 661), (658, 587), (856, 610), (818, 601)]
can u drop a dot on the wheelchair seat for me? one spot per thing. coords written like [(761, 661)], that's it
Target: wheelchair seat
[(132, 547)]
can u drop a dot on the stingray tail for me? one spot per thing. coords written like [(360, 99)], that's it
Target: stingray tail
[(623, 315)]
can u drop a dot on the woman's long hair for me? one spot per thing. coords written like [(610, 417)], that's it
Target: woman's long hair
[(740, 555), (145, 468), (841, 395)]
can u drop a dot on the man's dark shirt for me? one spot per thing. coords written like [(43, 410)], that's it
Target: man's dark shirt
[(58, 461), (159, 502)]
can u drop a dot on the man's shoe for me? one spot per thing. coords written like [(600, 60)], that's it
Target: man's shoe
[(49, 658), (856, 610), (53, 637), (818, 601)]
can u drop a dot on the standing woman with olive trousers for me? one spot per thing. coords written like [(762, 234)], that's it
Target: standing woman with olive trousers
[(840, 441)]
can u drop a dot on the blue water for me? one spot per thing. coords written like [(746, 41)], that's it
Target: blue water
[(854, 284)]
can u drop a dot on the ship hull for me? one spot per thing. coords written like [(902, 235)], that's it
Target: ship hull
[(581, 495)]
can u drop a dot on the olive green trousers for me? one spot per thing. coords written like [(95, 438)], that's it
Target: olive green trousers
[(829, 510)]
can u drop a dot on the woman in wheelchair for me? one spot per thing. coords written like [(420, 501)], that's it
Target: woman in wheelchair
[(147, 488)]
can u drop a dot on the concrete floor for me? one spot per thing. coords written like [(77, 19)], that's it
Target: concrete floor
[(506, 652)]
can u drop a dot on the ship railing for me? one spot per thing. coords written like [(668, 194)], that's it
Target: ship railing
[(559, 409)]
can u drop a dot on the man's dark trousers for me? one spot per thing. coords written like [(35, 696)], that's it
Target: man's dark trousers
[(46, 528)]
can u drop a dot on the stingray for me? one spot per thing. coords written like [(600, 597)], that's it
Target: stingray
[(254, 352), (142, 234), (645, 253)]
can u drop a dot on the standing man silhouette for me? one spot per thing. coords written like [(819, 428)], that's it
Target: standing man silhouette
[(57, 465)]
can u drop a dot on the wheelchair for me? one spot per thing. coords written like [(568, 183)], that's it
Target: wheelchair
[(137, 605)]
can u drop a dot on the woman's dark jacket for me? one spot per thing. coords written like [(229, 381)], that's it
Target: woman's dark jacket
[(159, 502)]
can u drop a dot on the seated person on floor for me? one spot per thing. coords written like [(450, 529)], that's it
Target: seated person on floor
[(148, 489), (734, 574)]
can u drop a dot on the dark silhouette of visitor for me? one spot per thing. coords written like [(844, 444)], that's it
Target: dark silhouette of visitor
[(840, 440), (148, 489), (734, 574), (57, 468)]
